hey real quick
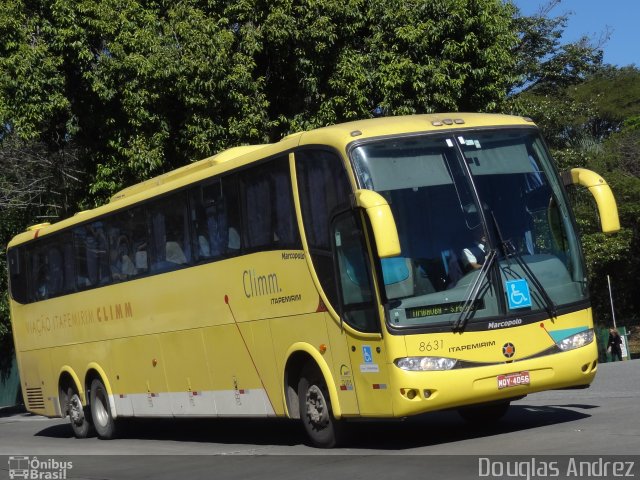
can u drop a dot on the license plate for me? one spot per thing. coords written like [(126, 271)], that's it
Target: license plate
[(514, 379)]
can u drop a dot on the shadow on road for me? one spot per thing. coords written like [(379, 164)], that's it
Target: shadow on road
[(425, 430)]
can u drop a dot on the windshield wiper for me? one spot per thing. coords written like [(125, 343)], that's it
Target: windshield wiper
[(474, 291), (509, 250), (549, 306)]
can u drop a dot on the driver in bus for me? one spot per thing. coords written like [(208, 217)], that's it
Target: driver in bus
[(473, 256)]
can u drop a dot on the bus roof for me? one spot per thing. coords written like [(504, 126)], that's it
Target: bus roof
[(345, 133), (338, 136)]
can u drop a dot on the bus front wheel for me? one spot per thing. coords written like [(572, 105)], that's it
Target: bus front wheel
[(103, 421), (79, 416), (315, 410)]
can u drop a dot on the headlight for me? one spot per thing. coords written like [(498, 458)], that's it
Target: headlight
[(423, 364), (576, 341)]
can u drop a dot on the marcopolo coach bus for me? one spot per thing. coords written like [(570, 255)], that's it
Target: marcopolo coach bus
[(375, 269)]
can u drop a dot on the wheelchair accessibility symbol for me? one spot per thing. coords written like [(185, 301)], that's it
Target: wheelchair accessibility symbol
[(518, 293), (366, 354)]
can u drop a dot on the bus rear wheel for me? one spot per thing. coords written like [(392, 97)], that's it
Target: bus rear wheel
[(103, 421), (316, 413), (484, 415), (79, 416)]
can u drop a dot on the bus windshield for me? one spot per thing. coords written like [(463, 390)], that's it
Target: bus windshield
[(458, 200)]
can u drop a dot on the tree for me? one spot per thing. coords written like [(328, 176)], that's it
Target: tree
[(38, 180), (139, 87), (142, 87), (619, 161), (331, 61), (594, 124), (615, 96), (589, 114), (545, 65)]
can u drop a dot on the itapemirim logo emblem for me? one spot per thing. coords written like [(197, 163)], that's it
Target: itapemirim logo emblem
[(508, 350), (36, 469)]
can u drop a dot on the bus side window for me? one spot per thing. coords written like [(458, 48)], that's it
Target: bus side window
[(80, 244), (61, 265), (91, 256), (48, 269), (138, 232), (324, 190), (210, 220), (128, 241), (354, 274), (268, 207), (69, 263), (285, 234), (256, 199), (55, 271), (232, 225), (199, 232), (170, 233), (39, 272), (17, 274)]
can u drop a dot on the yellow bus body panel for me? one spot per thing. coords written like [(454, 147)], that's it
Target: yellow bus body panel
[(464, 386)]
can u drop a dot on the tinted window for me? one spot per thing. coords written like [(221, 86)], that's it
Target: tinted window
[(215, 219), (128, 244), (324, 190), (268, 207), (354, 274), (247, 211), (91, 255), (51, 267), (171, 246), (17, 277)]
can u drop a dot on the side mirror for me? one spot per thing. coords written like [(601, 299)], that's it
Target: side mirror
[(601, 192), (382, 222)]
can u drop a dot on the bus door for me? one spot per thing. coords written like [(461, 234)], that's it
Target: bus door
[(358, 309)]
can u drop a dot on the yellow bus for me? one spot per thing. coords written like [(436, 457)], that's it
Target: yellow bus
[(374, 269)]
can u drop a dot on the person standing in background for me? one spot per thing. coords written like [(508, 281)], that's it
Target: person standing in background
[(615, 345)]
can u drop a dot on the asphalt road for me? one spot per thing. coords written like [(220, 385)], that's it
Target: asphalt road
[(601, 421)]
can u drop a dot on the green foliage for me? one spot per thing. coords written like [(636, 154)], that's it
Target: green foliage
[(595, 125), (612, 255), (614, 92), (544, 64), (621, 150), (589, 114), (329, 61), (32, 96), (140, 87), (560, 119), (143, 87), (441, 55)]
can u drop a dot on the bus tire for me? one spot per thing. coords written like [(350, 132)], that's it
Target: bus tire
[(484, 415), (316, 413), (79, 416), (103, 421)]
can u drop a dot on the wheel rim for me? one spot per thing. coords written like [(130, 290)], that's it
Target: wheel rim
[(317, 411), (100, 413), (76, 412)]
